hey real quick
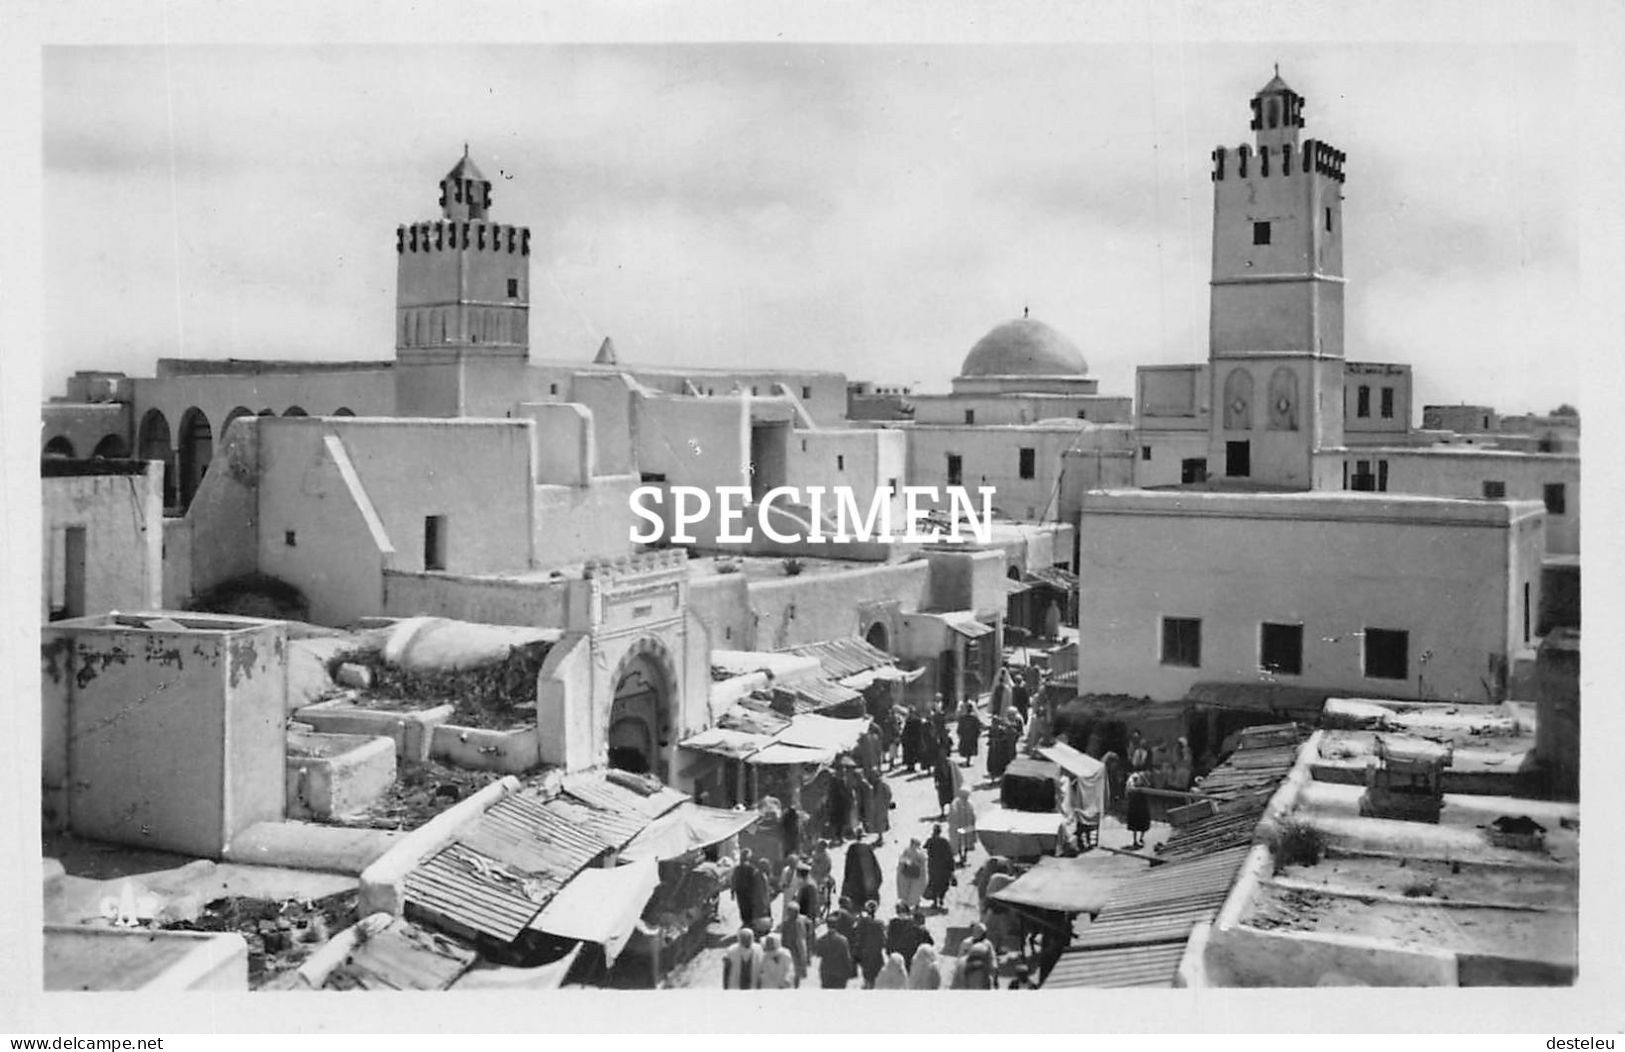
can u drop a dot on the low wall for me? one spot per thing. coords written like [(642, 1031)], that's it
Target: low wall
[(411, 732), (383, 883), (1244, 956), (486, 600), (477, 749), (336, 774)]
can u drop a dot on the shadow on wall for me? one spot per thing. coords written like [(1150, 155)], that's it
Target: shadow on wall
[(254, 595)]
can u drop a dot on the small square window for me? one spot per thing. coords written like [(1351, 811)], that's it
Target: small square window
[(1281, 649), (1261, 233), (1182, 641), (1027, 462), (1387, 653), (1145, 452), (513, 288), (1557, 498), (1083, 414), (1494, 490), (970, 416), (806, 392), (1382, 476), (753, 389), (290, 538), (552, 388)]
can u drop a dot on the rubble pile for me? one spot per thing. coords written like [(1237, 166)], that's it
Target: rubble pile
[(280, 933)]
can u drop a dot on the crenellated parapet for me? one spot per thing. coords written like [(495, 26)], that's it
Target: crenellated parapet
[(475, 235), (1263, 162)]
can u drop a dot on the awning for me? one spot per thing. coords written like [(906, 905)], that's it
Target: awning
[(1054, 577), (487, 976), (1072, 885), (735, 745), (885, 673), (1014, 587), (969, 627), (686, 829), (779, 753), (1087, 795), (811, 731), (601, 905)]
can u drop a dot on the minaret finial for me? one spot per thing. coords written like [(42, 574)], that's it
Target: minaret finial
[(465, 145), (1024, 310), (1277, 73)]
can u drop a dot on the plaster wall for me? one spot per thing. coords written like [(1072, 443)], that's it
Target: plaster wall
[(565, 453), (1377, 377), (487, 600), (85, 425), (860, 459), (1333, 570), (608, 396), (122, 516), (694, 441), (222, 531), (363, 391), (1457, 472), (991, 456), (1021, 408), (575, 523), (121, 704), (811, 608)]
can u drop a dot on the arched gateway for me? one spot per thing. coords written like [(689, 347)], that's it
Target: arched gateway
[(641, 716)]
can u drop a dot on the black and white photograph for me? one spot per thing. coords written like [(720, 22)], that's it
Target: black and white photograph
[(816, 511)]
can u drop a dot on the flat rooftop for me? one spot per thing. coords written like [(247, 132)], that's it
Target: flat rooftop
[(1327, 505)]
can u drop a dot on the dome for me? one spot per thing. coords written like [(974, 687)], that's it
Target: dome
[(1024, 347)]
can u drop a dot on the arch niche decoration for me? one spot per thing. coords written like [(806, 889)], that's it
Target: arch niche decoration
[(153, 443), (1283, 400), (642, 713), (1238, 400)]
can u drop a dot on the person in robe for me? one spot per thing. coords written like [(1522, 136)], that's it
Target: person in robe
[(977, 962), (843, 919), (862, 877), (878, 818), (962, 825), (1138, 819), (939, 867), (863, 802), (923, 973), (742, 964), (868, 751), (947, 778), (790, 831), (969, 729), (797, 936), (1020, 697), (778, 968), (834, 960), (891, 735), (763, 894), (744, 886), (808, 899), (823, 876), (913, 742), (839, 806), (911, 875), (869, 943), (1052, 621), (894, 976), (1001, 693)]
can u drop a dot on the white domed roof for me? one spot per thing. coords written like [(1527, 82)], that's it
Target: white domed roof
[(1024, 347)]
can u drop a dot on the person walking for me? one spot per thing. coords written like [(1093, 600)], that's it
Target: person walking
[(879, 817), (924, 973), (834, 960), (744, 886), (913, 742), (947, 778), (911, 866), (778, 966), (1020, 697), (962, 825), (742, 965), (790, 831), (823, 876), (863, 878), (839, 806), (894, 976), (1139, 808), (869, 944), (977, 963), (969, 730), (1001, 692), (797, 937), (939, 867)]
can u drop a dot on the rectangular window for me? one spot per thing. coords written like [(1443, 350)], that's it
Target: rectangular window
[(1280, 649), (1145, 452), (1238, 459), (1557, 498), (1387, 403), (1082, 415), (552, 388), (956, 469), (840, 462), (1261, 233), (891, 484), (1494, 490), (1328, 220), (753, 389), (513, 288), (970, 416), (1345, 474), (434, 542), (1382, 476), (1182, 641), (1387, 653), (1526, 611), (1363, 482), (290, 538), (1362, 406), (1192, 470), (806, 392), (1028, 462)]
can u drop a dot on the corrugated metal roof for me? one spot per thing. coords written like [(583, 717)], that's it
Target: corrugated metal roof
[(1054, 576), (1152, 965), (542, 838), (604, 793), (1200, 878), (1153, 922), (474, 891), (403, 956), (844, 657)]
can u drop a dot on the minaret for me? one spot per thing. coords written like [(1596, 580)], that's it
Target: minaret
[(462, 300), (1276, 328)]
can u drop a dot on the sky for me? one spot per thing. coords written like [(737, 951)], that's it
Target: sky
[(872, 209)]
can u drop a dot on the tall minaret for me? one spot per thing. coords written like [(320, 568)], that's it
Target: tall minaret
[(462, 296), (1276, 329)]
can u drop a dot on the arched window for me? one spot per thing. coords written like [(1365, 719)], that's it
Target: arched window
[(59, 447), (1275, 113), (1283, 400), (1238, 400), (153, 443), (111, 447), (196, 450)]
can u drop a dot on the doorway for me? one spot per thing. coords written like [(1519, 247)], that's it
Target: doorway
[(639, 724), (1238, 459)]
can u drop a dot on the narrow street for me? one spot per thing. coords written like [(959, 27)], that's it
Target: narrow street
[(914, 812)]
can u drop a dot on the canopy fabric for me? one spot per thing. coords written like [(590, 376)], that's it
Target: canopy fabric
[(686, 829), (1007, 820), (1086, 795), (811, 731), (1013, 586), (883, 674), (967, 625), (780, 753), (601, 905), (735, 745), (1072, 885), (486, 976)]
